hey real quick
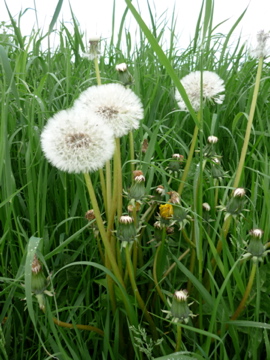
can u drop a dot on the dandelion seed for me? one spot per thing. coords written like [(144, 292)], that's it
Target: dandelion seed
[(119, 107), (213, 85), (77, 142)]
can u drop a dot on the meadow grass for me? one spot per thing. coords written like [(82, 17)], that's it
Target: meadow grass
[(42, 210)]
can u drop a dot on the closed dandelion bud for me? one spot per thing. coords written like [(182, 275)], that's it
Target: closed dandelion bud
[(216, 169), (177, 162), (179, 214), (236, 204), (206, 207), (212, 139), (179, 309), (89, 215), (144, 146), (126, 230), (39, 282), (174, 197), (158, 231), (124, 75), (256, 247), (137, 190), (209, 150), (160, 190)]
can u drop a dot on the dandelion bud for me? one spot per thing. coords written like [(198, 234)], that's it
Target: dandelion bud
[(216, 169), (256, 247), (144, 146), (89, 215), (121, 67), (179, 309), (236, 204), (212, 139), (39, 282), (124, 75), (137, 173), (126, 230), (257, 233), (176, 164), (160, 190), (239, 192), (174, 197), (137, 190), (206, 207)]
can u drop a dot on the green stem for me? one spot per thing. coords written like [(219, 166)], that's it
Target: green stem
[(108, 188), (247, 292), (118, 177), (138, 296), (178, 337), (101, 228), (97, 71), (103, 189), (249, 124), (189, 160), (131, 154)]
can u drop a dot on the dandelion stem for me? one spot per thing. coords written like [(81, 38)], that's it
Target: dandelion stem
[(101, 228), (178, 337), (131, 153), (249, 124), (247, 292), (78, 326), (97, 70), (118, 177), (138, 296), (189, 160)]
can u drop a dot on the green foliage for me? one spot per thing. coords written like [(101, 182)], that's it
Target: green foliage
[(42, 209)]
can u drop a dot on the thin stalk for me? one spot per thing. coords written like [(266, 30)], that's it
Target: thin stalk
[(131, 153), (156, 258), (247, 292), (108, 187), (101, 228), (118, 175), (138, 296), (189, 160), (249, 124), (78, 326), (178, 337), (97, 70), (103, 189)]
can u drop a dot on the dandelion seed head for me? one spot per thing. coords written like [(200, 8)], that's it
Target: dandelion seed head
[(77, 142), (263, 45), (118, 106), (213, 85)]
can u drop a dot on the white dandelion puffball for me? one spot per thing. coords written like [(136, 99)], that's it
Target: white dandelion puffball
[(76, 143), (119, 107), (213, 85)]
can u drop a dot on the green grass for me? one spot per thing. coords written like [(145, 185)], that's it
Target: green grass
[(42, 209)]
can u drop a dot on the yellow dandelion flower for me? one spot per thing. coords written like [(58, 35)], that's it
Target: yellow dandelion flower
[(166, 211)]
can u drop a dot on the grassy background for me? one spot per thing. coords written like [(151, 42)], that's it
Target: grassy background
[(44, 208)]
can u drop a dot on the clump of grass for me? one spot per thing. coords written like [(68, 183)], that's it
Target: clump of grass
[(113, 272)]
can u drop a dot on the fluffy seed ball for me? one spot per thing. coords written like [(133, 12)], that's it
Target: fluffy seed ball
[(119, 107), (77, 142), (213, 85)]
